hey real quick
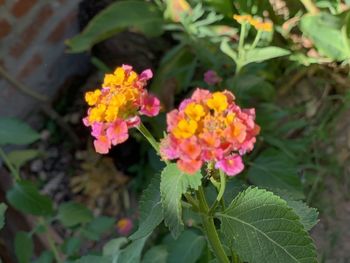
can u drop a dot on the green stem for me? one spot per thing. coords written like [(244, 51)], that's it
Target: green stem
[(241, 39), (13, 170), (209, 228), (310, 6), (145, 132), (51, 242), (256, 40)]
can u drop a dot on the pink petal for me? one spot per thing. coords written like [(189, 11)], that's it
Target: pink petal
[(102, 145), (118, 132), (97, 129), (150, 105), (133, 121), (146, 75), (231, 165)]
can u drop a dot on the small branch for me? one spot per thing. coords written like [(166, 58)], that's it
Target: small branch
[(13, 170), (310, 6)]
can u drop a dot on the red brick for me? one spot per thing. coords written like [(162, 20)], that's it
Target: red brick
[(58, 32), (5, 28), (22, 7), (30, 66), (29, 33)]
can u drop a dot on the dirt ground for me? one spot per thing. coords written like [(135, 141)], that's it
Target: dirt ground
[(332, 233)]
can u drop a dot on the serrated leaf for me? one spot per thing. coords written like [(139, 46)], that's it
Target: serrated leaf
[(20, 157), (25, 197), (187, 248), (308, 215), (263, 54), (3, 208), (14, 131), (150, 209), (23, 247), (119, 16), (261, 226), (173, 184), (71, 214), (157, 254), (274, 170)]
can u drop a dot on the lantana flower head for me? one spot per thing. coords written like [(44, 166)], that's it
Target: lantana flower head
[(209, 127), (116, 107), (258, 24)]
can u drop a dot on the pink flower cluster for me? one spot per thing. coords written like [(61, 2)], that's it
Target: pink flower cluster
[(116, 107), (209, 127)]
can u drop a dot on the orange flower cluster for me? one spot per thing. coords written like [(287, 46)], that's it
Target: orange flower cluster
[(116, 107), (209, 127), (258, 24)]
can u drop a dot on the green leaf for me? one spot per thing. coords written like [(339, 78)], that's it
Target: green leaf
[(175, 71), (222, 6), (14, 131), (225, 48), (132, 253), (274, 170), (308, 215), (45, 257), (143, 16), (260, 225), (25, 197), (150, 209), (330, 42), (20, 157), (263, 54), (23, 247), (97, 227), (3, 208), (173, 184), (71, 246), (113, 246), (157, 254), (71, 214), (94, 259), (187, 248)]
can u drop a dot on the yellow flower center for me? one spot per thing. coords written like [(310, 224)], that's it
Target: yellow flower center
[(194, 111), (218, 102), (185, 129)]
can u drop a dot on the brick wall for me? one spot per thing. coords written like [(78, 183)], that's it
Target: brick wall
[(32, 34)]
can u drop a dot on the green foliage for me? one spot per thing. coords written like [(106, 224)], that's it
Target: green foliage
[(71, 246), (45, 257), (118, 16), (25, 197), (19, 157), (323, 27), (98, 226), (263, 54), (23, 247), (71, 214), (173, 184), (187, 248), (308, 215), (129, 254), (14, 131), (157, 254), (260, 226), (274, 170), (3, 208), (93, 259), (150, 209)]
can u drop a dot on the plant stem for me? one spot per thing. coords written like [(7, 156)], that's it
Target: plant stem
[(51, 241), (209, 228), (145, 132), (310, 6), (256, 40), (13, 170)]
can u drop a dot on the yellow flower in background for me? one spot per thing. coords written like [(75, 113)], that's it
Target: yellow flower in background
[(242, 18), (263, 26)]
